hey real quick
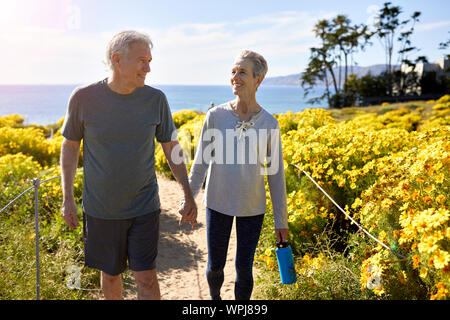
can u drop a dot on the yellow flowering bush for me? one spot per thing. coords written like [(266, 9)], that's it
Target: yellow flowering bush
[(17, 169), (12, 120), (391, 172), (340, 156), (444, 99), (29, 141), (402, 118), (440, 115), (188, 137), (388, 170), (308, 118), (26, 153), (183, 116), (409, 204)]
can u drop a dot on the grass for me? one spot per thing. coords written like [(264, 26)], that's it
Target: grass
[(349, 112), (18, 265), (322, 274)]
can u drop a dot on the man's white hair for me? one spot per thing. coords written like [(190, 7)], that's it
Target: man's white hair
[(121, 42)]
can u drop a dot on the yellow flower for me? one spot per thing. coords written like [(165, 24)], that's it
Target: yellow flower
[(423, 273), (416, 261), (441, 293), (428, 243), (440, 178), (402, 277), (427, 199), (441, 259), (357, 203), (387, 203), (440, 199)]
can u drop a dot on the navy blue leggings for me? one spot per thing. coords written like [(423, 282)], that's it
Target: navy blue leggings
[(218, 230)]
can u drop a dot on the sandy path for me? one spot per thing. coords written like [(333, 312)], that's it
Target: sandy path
[(182, 252)]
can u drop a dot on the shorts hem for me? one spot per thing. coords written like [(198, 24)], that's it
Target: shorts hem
[(151, 267), (103, 269)]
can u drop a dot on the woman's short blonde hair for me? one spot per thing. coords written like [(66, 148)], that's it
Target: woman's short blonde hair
[(258, 61), (120, 43)]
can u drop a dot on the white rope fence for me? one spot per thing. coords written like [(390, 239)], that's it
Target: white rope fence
[(348, 216)]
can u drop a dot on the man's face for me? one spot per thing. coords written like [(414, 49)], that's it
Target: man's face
[(134, 66)]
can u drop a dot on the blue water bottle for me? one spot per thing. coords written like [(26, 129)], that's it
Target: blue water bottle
[(286, 263)]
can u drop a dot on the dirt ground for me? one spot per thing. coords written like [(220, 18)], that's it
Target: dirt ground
[(182, 253)]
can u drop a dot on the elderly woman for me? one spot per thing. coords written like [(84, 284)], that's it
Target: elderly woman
[(239, 145)]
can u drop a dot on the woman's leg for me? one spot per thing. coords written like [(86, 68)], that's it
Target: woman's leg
[(248, 230), (218, 230)]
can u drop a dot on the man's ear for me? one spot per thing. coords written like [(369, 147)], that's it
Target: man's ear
[(115, 58)]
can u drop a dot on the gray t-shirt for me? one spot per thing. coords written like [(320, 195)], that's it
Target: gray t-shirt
[(118, 133)]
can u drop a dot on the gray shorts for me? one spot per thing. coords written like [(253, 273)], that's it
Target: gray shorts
[(108, 244)]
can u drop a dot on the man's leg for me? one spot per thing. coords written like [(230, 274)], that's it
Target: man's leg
[(147, 285), (142, 252), (111, 286), (105, 249)]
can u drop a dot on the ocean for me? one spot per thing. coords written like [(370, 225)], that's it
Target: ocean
[(46, 104)]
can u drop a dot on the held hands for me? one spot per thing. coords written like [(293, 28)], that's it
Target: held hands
[(188, 211), (69, 213)]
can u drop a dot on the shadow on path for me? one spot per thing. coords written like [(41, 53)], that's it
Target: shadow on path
[(175, 249)]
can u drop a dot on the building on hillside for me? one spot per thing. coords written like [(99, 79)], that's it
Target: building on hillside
[(437, 70)]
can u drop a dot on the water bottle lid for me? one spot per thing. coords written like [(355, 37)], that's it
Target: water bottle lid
[(282, 244)]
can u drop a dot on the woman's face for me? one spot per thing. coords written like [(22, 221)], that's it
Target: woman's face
[(242, 81)]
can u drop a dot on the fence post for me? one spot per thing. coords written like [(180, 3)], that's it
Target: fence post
[(36, 183)]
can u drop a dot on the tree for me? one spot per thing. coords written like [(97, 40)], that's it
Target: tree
[(348, 39), (407, 79), (367, 86), (444, 45), (314, 72), (339, 40), (320, 63), (387, 25)]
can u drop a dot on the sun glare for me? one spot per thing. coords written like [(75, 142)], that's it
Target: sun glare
[(7, 12), (34, 14)]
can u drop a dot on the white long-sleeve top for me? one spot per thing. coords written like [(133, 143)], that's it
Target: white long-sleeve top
[(235, 156)]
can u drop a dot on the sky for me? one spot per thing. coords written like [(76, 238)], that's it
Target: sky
[(195, 42)]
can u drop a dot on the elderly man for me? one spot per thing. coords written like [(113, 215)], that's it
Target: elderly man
[(118, 120)]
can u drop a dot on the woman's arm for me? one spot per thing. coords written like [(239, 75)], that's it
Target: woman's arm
[(200, 164), (277, 184)]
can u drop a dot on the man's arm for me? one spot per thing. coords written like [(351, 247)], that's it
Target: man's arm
[(69, 161), (189, 208)]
